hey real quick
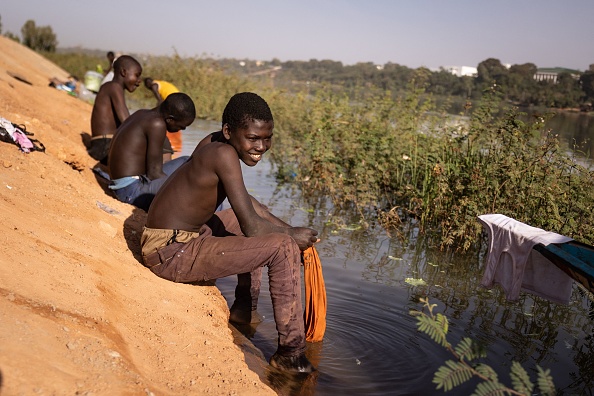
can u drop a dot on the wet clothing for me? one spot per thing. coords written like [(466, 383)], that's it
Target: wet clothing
[(99, 148), (139, 190), (515, 265), (219, 250), (315, 296)]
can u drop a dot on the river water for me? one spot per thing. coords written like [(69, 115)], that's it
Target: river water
[(371, 345)]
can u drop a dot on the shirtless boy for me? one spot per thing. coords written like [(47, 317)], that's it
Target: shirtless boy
[(135, 157), (186, 241), (162, 89), (110, 110)]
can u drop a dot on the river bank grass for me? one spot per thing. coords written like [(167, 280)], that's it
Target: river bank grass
[(403, 161)]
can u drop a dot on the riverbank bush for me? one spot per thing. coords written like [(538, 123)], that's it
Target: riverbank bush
[(407, 162), (206, 82), (404, 161)]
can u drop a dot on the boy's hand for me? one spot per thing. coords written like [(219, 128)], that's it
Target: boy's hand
[(305, 237)]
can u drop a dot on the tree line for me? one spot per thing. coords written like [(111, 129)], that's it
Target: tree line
[(516, 83), (38, 38)]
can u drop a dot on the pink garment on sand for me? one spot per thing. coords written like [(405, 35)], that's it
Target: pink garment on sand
[(22, 140), (513, 264)]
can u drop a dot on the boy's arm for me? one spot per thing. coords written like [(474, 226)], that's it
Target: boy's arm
[(295, 232), (264, 213), (118, 102), (154, 150), (229, 172), (155, 91)]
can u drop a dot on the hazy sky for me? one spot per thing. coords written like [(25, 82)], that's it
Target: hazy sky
[(412, 33)]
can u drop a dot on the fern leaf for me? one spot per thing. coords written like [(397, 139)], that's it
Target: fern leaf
[(443, 321), (433, 329), (487, 371), (451, 375), (467, 349), (520, 379), (545, 382), (490, 388), (464, 348)]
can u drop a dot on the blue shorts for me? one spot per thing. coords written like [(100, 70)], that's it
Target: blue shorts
[(141, 191)]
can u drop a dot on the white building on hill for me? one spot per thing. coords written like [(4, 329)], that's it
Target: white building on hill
[(462, 70)]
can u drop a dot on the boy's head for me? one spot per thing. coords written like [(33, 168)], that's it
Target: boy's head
[(244, 107), (178, 110), (128, 70), (148, 82), (110, 57)]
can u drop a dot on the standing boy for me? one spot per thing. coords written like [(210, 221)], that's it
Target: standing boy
[(162, 89), (186, 241), (110, 110), (135, 157)]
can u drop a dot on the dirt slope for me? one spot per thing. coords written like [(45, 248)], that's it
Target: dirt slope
[(78, 313)]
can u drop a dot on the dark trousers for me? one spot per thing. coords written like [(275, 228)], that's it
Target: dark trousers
[(221, 250)]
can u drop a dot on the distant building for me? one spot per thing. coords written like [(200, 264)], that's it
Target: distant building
[(550, 74), (462, 70)]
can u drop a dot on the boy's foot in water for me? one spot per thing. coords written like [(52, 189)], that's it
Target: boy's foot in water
[(294, 364), (244, 316)]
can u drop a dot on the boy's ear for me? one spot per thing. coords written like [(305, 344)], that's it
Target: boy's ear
[(226, 132)]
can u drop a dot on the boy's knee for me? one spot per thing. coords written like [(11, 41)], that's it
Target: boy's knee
[(281, 239)]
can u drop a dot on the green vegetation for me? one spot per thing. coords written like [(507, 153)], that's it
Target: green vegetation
[(404, 161), (206, 82), (408, 162), (465, 366)]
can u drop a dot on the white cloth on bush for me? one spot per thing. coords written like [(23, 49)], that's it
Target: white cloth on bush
[(514, 265)]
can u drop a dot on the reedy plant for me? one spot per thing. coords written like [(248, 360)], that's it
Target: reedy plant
[(466, 364), (413, 162)]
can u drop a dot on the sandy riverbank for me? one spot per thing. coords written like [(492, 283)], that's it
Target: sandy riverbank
[(78, 313)]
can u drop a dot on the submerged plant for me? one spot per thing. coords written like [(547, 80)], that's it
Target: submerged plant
[(466, 365)]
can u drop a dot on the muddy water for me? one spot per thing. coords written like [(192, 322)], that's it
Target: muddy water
[(371, 346)]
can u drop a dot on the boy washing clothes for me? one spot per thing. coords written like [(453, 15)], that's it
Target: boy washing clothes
[(135, 158), (185, 240), (162, 89), (109, 109)]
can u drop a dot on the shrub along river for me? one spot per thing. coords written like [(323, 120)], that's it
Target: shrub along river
[(372, 346)]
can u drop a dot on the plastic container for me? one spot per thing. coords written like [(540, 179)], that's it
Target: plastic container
[(93, 81)]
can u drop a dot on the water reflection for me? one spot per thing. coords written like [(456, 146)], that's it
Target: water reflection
[(371, 345)]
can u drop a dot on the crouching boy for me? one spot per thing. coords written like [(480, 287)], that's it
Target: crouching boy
[(186, 241)]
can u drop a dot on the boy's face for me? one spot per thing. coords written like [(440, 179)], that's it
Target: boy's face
[(251, 142), (174, 125), (132, 77)]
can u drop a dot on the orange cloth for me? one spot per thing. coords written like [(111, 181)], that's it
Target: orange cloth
[(175, 139), (315, 296)]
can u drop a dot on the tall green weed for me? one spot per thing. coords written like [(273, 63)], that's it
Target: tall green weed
[(406, 160)]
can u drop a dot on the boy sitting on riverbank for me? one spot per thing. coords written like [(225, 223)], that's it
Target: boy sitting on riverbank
[(109, 109), (162, 89), (186, 241), (135, 157)]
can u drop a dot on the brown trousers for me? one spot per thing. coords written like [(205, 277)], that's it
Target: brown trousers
[(222, 250)]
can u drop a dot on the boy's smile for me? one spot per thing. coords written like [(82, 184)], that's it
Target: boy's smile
[(251, 142), (132, 77)]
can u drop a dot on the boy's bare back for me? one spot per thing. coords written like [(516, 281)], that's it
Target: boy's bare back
[(137, 147)]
